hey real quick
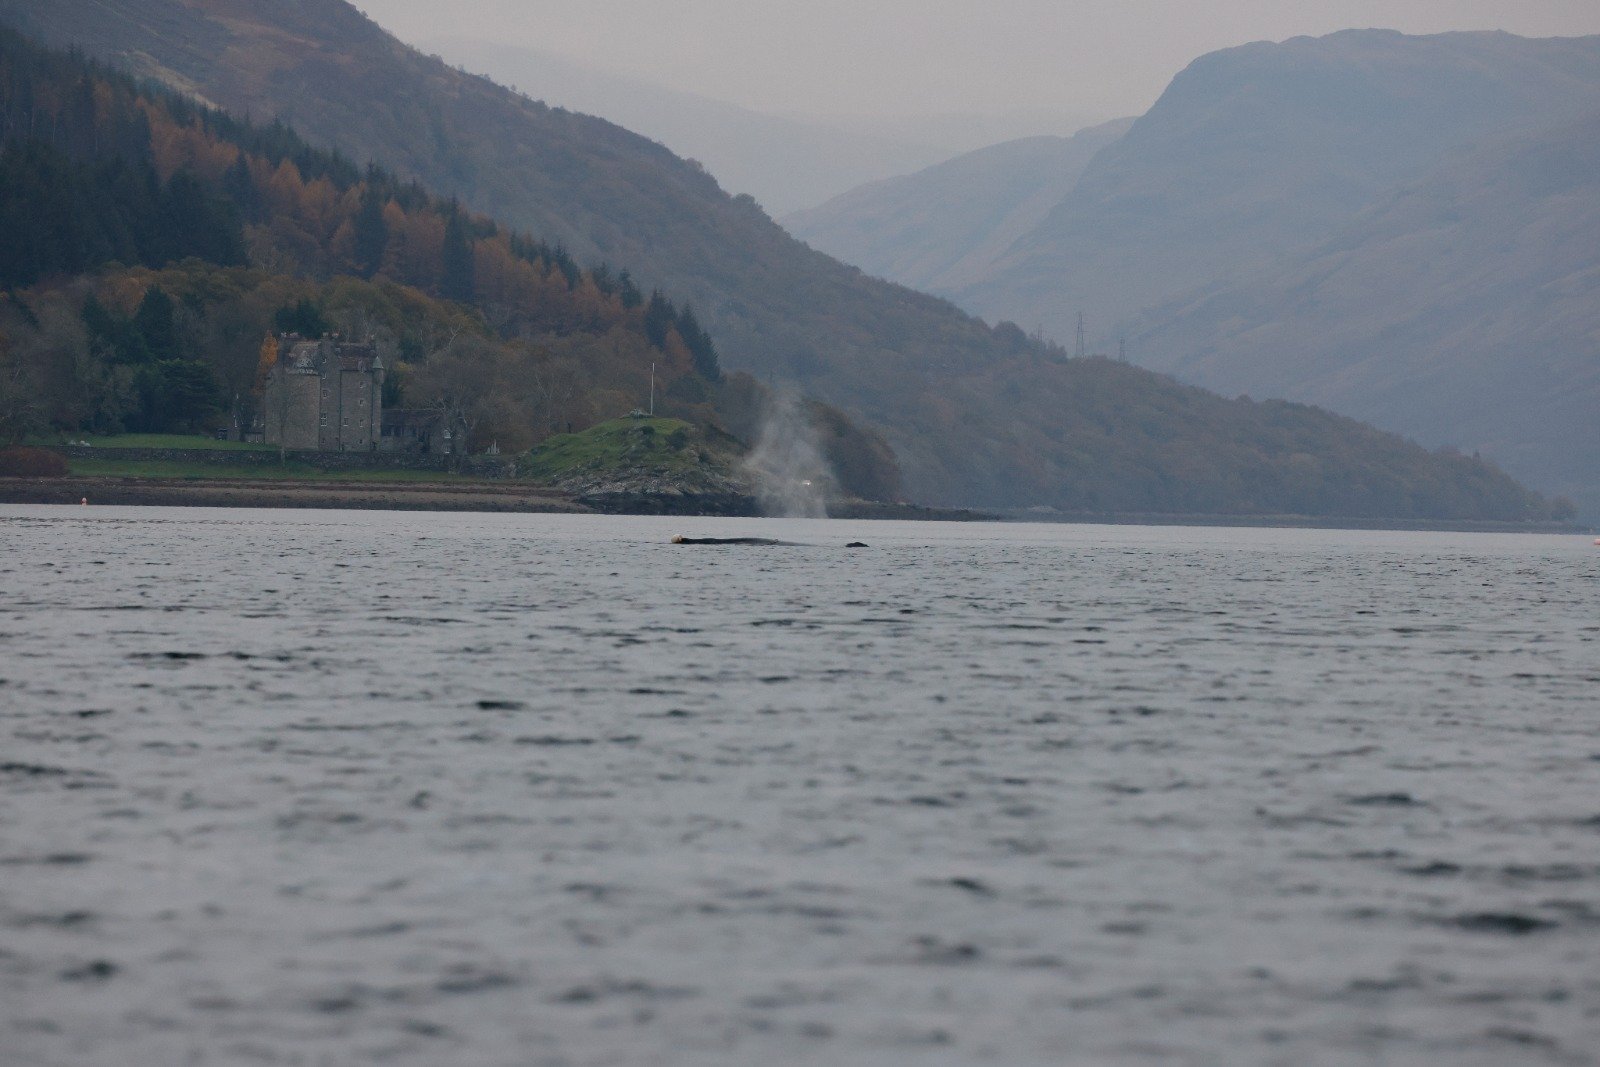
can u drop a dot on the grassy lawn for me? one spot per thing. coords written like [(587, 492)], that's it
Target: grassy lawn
[(166, 440), (297, 472), (661, 443)]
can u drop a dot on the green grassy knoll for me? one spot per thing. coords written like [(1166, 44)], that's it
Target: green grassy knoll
[(666, 445)]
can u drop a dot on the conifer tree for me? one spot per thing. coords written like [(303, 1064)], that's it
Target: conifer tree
[(457, 279), (371, 232), (112, 337), (198, 224), (659, 318), (699, 345), (156, 325), (303, 318), (628, 291), (566, 264), (240, 187)]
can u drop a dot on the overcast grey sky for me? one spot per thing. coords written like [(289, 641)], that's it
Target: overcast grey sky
[(923, 57)]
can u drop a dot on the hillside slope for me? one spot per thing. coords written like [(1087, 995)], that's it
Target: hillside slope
[(978, 416), (1464, 310), (941, 228), (1256, 151), (151, 247), (785, 163)]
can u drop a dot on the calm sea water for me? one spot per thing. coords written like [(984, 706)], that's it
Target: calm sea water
[(348, 788)]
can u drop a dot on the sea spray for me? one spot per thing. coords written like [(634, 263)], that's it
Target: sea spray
[(791, 476)]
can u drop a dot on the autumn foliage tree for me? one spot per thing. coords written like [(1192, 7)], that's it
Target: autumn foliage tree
[(162, 247), (96, 168)]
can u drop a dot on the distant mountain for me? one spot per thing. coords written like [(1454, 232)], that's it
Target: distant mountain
[(977, 415), (785, 163), (1464, 309), (941, 228), (1257, 151), (1363, 221)]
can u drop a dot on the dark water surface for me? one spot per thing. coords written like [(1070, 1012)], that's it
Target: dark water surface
[(348, 788)]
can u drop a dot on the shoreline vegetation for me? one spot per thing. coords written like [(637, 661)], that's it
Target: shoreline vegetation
[(579, 474), (439, 494), (638, 466)]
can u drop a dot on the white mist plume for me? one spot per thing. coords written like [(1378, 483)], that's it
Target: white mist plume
[(792, 477)]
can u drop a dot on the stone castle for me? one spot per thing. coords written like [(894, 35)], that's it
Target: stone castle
[(327, 396), (324, 395)]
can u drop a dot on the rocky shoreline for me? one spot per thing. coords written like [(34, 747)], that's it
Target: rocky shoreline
[(625, 467), (492, 496)]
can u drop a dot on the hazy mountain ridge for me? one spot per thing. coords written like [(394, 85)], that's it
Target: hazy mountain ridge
[(1257, 151), (785, 163), (1465, 309), (941, 228), (977, 415), (1365, 221)]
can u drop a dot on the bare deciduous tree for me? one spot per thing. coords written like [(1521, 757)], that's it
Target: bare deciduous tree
[(20, 413), (462, 383)]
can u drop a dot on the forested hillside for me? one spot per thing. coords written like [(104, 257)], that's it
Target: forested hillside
[(153, 244), (978, 416), (97, 171)]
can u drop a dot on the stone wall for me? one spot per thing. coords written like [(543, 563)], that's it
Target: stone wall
[(480, 466), (289, 408)]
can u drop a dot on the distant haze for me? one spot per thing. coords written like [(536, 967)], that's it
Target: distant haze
[(786, 163), (920, 58)]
